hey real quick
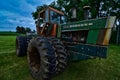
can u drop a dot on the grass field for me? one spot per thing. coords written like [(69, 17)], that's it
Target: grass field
[(7, 33), (16, 68)]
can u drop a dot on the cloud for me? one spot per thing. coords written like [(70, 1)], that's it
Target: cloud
[(12, 20), (18, 13)]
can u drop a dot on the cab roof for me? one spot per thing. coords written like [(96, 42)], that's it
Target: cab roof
[(50, 8)]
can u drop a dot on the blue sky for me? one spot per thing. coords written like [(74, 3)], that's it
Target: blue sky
[(18, 13)]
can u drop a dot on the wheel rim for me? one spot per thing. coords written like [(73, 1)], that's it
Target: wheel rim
[(34, 59)]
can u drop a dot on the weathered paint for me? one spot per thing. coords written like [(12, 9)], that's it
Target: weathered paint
[(84, 25), (83, 51), (109, 26), (54, 30), (99, 31), (101, 36), (75, 56), (107, 37)]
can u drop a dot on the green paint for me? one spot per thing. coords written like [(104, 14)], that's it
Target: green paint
[(86, 51), (92, 36), (75, 56), (59, 31), (84, 25)]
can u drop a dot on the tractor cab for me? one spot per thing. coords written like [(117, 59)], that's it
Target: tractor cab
[(47, 22), (51, 15)]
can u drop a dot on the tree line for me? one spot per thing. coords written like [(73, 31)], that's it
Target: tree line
[(21, 29)]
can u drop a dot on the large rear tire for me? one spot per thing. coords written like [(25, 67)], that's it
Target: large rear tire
[(46, 57), (61, 55), (41, 58), (21, 45)]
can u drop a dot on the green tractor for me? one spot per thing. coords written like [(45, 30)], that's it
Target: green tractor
[(56, 43)]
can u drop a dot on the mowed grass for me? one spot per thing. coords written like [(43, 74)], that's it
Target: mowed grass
[(11, 66), (5, 33), (16, 68)]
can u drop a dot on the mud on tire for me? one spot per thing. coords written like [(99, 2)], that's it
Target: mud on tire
[(46, 57), (41, 57), (61, 55)]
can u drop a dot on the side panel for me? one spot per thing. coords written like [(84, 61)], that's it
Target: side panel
[(99, 30), (97, 36), (82, 51), (92, 36)]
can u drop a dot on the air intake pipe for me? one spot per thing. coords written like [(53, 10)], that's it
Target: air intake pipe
[(87, 13)]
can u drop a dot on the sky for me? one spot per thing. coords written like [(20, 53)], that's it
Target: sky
[(18, 13)]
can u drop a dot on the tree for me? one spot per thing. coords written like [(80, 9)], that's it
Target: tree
[(27, 29), (66, 6), (62, 5), (38, 9), (104, 8), (99, 8), (18, 29), (22, 29)]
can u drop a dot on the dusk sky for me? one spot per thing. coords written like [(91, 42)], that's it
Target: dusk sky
[(18, 13)]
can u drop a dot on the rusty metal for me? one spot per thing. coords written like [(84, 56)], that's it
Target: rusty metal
[(109, 26), (101, 37)]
